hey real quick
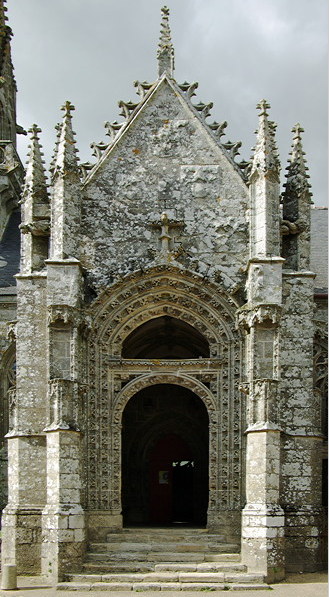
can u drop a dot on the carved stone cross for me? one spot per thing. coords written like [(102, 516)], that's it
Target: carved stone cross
[(164, 225)]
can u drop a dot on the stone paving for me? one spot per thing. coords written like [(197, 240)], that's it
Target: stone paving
[(295, 585)]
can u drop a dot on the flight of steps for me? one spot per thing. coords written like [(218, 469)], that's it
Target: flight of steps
[(163, 559)]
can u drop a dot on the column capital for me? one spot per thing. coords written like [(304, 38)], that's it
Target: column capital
[(249, 316)]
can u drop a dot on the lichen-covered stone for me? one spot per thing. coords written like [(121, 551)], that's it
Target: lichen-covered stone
[(155, 299)]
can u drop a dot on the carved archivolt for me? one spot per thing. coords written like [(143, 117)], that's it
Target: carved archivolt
[(163, 290), (160, 291), (149, 380)]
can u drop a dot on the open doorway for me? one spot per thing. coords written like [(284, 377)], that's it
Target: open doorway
[(171, 481), (165, 458)]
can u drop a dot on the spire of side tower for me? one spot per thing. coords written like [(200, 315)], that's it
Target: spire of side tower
[(165, 54), (264, 181), (35, 178), (66, 152), (265, 157), (8, 126), (65, 192), (296, 201), (35, 209), (297, 177), (6, 67)]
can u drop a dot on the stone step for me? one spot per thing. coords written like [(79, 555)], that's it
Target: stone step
[(183, 577), (222, 559), (135, 562), (97, 568), (166, 535), (151, 546), (157, 586), (146, 556), (174, 574), (131, 567), (167, 567), (158, 546), (217, 557)]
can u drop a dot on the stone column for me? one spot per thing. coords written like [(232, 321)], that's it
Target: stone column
[(301, 418), (63, 517), (21, 520), (263, 518)]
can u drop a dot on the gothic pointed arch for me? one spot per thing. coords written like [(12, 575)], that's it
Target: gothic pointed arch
[(201, 310), (162, 291)]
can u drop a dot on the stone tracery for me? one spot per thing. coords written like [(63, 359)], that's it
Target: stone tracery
[(126, 307)]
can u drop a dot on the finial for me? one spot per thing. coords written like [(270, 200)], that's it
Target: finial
[(298, 129), (165, 52), (263, 105), (34, 130), (67, 107)]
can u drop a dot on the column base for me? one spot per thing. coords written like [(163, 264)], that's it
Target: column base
[(263, 543), (64, 541), (21, 538)]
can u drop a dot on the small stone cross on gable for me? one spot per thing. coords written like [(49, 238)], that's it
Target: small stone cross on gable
[(164, 226)]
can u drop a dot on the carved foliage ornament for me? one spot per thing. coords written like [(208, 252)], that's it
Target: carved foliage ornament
[(119, 310), (68, 315), (130, 305), (248, 317)]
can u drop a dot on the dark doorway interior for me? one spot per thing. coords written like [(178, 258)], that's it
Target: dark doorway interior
[(165, 458), (171, 481), (165, 338)]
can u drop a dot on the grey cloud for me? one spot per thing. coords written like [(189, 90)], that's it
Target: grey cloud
[(239, 51)]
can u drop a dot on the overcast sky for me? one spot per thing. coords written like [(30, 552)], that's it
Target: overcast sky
[(240, 51)]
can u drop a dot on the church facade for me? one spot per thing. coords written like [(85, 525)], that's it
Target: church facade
[(163, 361)]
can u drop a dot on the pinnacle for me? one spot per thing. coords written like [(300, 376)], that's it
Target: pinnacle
[(297, 152), (35, 179), (297, 169), (65, 158), (265, 157), (165, 52), (165, 36)]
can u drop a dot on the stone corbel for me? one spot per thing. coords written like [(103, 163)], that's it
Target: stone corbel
[(62, 314), (259, 314), (69, 316), (62, 405), (12, 331), (85, 324), (288, 227), (12, 411), (36, 228), (263, 406)]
